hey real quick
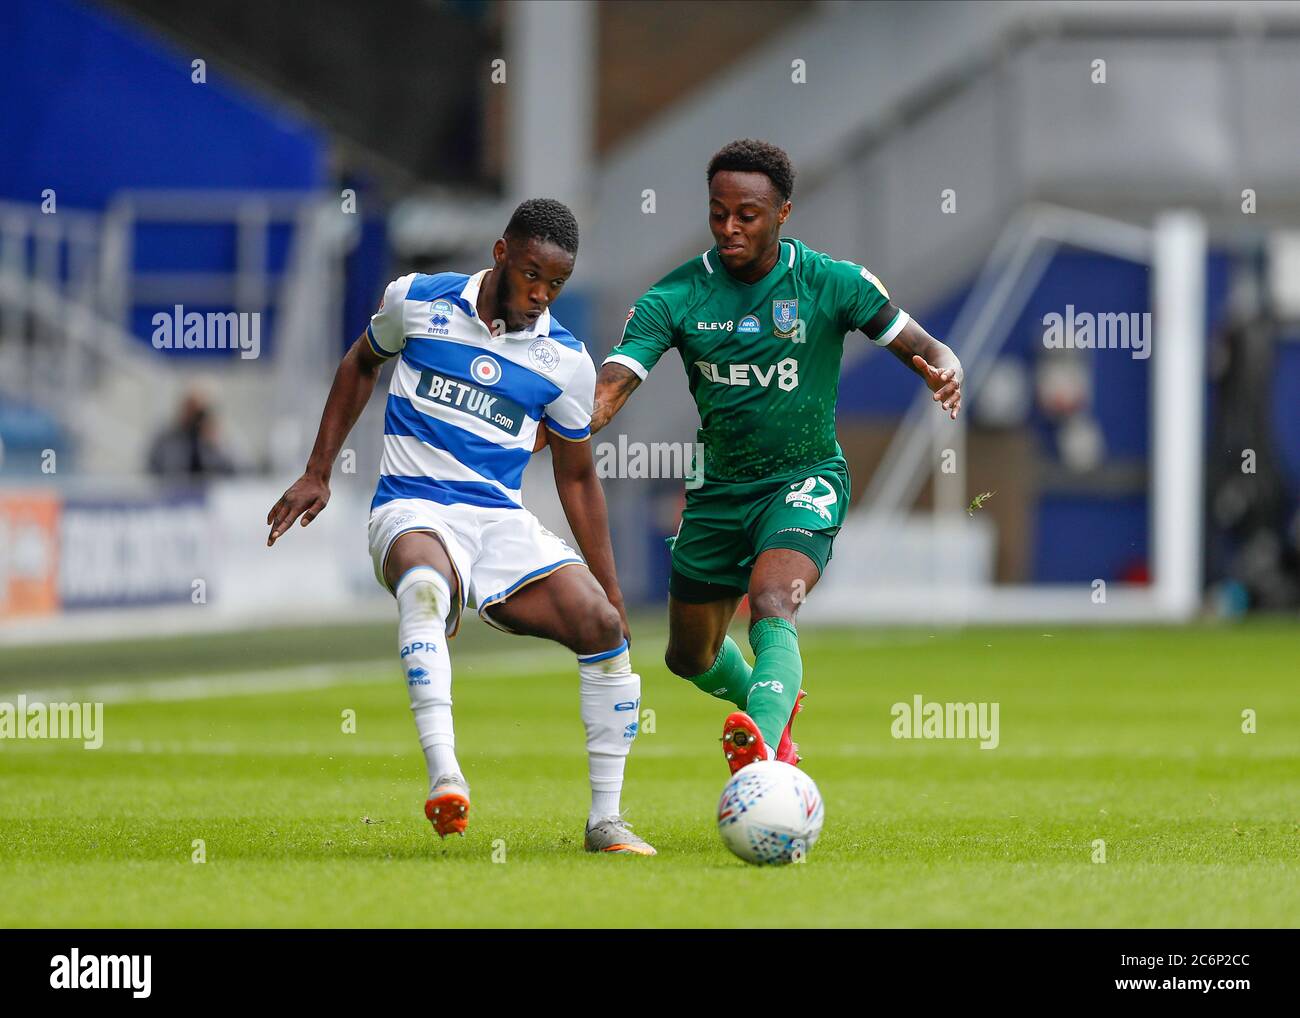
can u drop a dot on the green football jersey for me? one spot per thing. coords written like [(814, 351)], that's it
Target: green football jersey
[(762, 359)]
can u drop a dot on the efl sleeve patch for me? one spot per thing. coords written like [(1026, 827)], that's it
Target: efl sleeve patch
[(859, 296), (647, 333)]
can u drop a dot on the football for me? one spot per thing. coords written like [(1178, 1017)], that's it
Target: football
[(770, 814)]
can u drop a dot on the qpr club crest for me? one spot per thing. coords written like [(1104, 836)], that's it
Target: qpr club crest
[(785, 315), (543, 355)]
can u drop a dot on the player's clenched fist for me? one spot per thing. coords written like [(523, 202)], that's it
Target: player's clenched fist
[(306, 497)]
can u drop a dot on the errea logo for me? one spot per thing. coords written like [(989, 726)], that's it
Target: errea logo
[(440, 312)]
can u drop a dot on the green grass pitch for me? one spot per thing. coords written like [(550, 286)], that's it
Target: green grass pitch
[(1131, 736)]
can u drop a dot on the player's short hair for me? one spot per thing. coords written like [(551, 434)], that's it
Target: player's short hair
[(545, 219), (749, 155)]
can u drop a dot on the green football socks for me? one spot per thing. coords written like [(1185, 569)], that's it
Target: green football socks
[(778, 673), (729, 677)]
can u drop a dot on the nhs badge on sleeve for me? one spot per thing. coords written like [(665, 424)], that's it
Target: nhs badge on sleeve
[(785, 315)]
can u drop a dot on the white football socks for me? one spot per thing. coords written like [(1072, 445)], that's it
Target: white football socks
[(423, 604), (610, 692), (611, 706)]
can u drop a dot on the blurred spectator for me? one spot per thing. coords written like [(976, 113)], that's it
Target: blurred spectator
[(190, 447)]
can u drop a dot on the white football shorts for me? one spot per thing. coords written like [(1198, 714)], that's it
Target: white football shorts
[(494, 551)]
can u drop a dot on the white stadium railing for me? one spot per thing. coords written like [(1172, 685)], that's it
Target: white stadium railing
[(68, 285), (895, 565)]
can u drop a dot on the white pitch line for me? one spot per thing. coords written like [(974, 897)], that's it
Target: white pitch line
[(646, 746), (296, 678), (293, 679)]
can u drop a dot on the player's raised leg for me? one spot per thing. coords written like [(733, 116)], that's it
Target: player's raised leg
[(571, 608), (780, 582), (420, 572), (792, 526)]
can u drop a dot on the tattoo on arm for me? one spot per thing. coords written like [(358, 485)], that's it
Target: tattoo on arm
[(614, 385)]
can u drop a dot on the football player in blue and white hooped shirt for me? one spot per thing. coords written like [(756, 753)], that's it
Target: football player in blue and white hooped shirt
[(480, 366)]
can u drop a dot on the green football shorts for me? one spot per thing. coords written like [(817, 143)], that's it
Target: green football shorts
[(727, 524)]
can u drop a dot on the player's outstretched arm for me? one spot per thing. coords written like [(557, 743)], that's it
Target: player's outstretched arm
[(614, 385), (354, 381), (583, 500), (934, 361)]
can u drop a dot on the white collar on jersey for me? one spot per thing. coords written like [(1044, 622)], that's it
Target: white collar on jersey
[(542, 327)]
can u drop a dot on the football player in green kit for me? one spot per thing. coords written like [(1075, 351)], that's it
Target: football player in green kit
[(760, 323)]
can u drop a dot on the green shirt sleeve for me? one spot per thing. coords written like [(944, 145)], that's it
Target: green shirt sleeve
[(858, 295), (647, 333)]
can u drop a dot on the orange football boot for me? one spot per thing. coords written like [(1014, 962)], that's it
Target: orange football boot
[(448, 805)]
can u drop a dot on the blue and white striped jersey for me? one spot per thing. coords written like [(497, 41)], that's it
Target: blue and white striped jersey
[(463, 405)]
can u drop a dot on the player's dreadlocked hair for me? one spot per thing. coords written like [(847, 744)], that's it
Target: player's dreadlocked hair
[(750, 156), (545, 219)]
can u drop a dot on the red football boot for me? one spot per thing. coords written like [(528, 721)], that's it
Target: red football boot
[(787, 751), (742, 742)]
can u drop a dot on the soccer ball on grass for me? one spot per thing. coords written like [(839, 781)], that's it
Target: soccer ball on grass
[(770, 813)]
